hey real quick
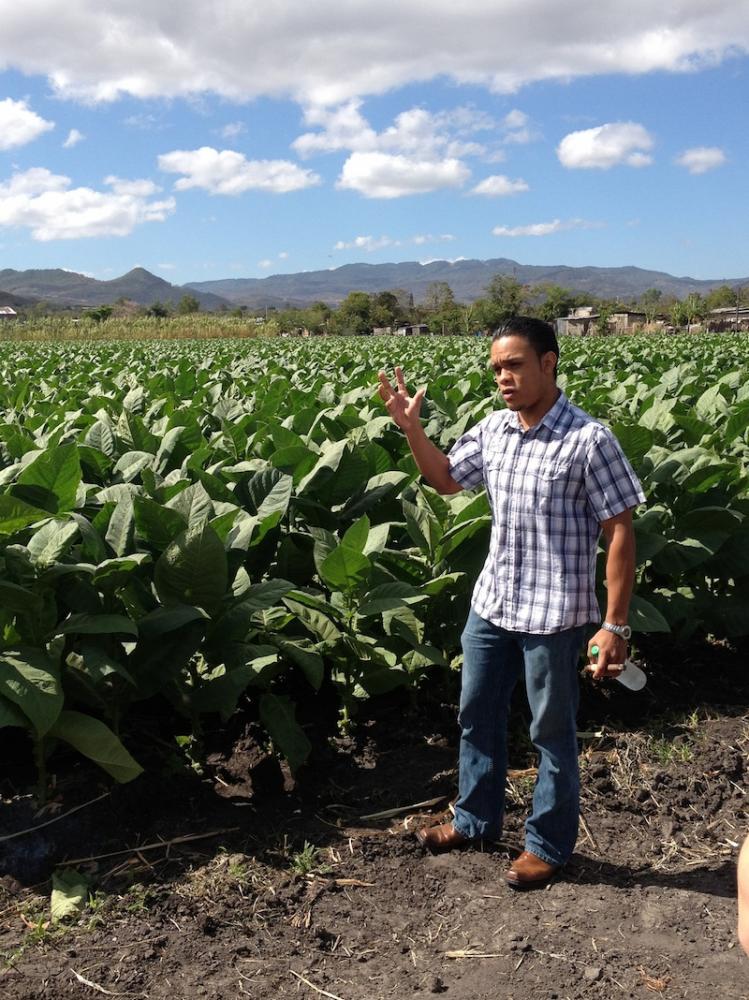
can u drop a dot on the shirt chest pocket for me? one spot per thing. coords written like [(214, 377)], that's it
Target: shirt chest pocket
[(558, 486)]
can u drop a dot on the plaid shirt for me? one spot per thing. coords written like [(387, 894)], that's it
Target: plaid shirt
[(549, 487)]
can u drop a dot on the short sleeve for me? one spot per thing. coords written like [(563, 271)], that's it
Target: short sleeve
[(466, 458), (610, 481)]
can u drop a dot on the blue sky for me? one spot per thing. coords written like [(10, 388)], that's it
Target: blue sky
[(211, 141)]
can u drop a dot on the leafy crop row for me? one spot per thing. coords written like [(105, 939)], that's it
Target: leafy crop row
[(194, 521)]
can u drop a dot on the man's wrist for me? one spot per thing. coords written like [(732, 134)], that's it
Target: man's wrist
[(622, 630)]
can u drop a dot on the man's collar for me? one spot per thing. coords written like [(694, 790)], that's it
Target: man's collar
[(550, 419)]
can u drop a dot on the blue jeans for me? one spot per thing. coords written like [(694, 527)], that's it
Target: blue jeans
[(493, 660)]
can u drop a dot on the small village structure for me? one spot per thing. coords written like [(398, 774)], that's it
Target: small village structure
[(6, 313), (583, 321), (727, 318)]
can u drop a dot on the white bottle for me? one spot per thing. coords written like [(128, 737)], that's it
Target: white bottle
[(630, 675)]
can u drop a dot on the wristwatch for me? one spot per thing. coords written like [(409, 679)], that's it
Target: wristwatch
[(623, 631)]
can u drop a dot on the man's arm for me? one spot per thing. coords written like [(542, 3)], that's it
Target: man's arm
[(743, 881), (432, 463), (619, 536)]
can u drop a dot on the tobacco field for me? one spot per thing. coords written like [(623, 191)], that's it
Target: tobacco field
[(204, 522), (230, 662)]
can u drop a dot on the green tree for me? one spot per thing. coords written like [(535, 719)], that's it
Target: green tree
[(722, 297), (158, 309), (354, 314), (678, 314), (694, 308), (650, 303), (386, 310), (438, 297), (558, 301), (99, 313), (506, 293), (188, 304), (603, 323)]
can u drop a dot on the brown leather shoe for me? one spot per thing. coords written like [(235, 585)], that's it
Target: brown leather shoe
[(529, 872), (441, 838)]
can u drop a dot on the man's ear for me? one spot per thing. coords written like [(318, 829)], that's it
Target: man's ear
[(549, 362)]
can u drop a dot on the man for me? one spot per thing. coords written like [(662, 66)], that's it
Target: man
[(555, 479), (743, 881)]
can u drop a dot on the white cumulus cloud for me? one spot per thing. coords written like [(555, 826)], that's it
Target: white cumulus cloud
[(607, 146), (372, 243), (543, 228), (19, 124), (232, 130), (383, 175), (700, 159), (328, 52), (498, 186), (45, 203), (368, 243), (416, 130), (73, 138), (230, 173)]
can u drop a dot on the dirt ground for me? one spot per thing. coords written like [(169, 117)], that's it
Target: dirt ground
[(222, 884)]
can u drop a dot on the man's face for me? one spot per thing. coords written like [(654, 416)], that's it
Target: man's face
[(522, 377)]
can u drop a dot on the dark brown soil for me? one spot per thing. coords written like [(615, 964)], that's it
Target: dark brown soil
[(299, 892)]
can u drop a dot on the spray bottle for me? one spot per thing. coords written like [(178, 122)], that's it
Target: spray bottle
[(630, 675)]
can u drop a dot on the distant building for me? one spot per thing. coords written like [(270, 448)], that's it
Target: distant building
[(7, 313), (410, 331), (583, 321), (727, 318)]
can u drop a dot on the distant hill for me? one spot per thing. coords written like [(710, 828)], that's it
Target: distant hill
[(15, 301), (467, 278), (67, 288)]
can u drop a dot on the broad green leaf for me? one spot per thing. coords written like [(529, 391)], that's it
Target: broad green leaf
[(168, 619), (57, 470), (156, 524), (95, 740), (121, 526), (100, 436), (193, 569), (357, 535), (11, 715), (87, 624), (131, 464), (324, 468), (644, 617), (387, 597), (345, 569), (112, 573), (16, 598), (51, 542), (31, 680), (16, 514), (277, 713), (319, 624), (309, 662), (193, 504), (69, 894), (265, 595)]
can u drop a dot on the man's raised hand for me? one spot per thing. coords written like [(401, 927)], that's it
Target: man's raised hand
[(403, 408)]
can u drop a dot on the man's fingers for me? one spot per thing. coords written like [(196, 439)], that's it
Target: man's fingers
[(400, 380), (386, 389)]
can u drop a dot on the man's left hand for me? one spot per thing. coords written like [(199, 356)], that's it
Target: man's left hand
[(612, 652)]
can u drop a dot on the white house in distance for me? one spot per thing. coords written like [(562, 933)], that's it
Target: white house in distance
[(6, 312), (584, 320)]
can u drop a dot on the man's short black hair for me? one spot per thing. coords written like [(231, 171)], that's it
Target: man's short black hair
[(540, 335)]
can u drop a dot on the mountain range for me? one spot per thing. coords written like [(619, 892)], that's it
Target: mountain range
[(467, 278)]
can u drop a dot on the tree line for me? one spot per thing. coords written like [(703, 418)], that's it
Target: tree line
[(362, 312)]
